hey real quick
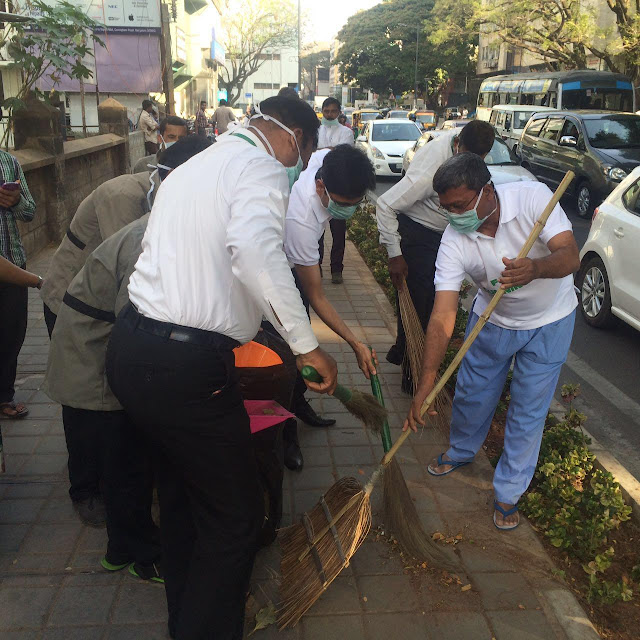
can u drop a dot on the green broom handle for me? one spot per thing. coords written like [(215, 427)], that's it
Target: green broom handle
[(342, 393), (533, 236), (376, 388)]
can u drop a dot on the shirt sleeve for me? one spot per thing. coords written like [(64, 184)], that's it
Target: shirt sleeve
[(25, 209), (301, 243), (346, 136), (450, 270), (255, 242), (558, 221)]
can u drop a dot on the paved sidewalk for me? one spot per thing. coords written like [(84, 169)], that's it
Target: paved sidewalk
[(52, 586)]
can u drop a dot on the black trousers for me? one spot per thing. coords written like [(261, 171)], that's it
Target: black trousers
[(13, 328), (186, 399), (339, 235), (109, 456), (419, 248), (300, 387)]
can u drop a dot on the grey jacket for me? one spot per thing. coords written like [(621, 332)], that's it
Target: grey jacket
[(76, 374)]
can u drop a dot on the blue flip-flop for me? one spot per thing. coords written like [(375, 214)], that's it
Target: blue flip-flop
[(505, 513), (451, 463)]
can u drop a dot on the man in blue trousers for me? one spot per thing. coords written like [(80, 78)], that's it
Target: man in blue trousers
[(531, 326)]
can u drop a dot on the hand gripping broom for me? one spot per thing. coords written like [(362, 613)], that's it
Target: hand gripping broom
[(317, 549)]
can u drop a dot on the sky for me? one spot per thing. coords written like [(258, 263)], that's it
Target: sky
[(324, 18)]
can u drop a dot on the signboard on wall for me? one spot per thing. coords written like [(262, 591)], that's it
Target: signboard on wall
[(122, 16)]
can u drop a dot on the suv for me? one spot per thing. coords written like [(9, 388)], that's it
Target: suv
[(601, 147)]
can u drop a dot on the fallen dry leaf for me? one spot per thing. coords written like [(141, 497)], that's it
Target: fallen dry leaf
[(466, 587), (265, 617), (520, 606), (437, 536)]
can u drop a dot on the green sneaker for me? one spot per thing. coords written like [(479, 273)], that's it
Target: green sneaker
[(113, 567), (152, 572)]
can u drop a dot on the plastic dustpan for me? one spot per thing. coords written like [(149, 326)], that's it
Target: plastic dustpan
[(254, 354), (265, 413)]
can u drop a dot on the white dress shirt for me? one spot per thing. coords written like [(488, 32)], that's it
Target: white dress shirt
[(534, 305), (212, 256), (334, 135), (414, 195), (306, 216)]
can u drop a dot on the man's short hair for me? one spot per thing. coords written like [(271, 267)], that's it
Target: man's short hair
[(477, 136), (331, 101), (146, 104), (346, 171), (174, 121), (288, 92), (205, 102), (180, 152), (223, 102), (464, 169), (293, 112)]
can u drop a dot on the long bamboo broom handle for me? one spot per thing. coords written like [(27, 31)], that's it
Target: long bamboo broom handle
[(533, 236)]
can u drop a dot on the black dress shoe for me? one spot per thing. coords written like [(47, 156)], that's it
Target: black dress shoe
[(92, 511), (305, 412), (293, 459), (395, 355)]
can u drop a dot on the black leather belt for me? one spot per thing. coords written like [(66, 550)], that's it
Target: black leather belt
[(177, 332)]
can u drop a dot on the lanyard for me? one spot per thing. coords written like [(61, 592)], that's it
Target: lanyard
[(249, 140)]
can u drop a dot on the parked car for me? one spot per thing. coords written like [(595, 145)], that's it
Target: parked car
[(424, 119), (454, 124), (609, 261), (503, 165), (397, 113), (509, 120), (601, 147), (385, 141)]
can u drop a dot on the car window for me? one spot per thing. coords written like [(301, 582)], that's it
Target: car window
[(631, 198), (535, 127), (520, 119), (499, 154), (493, 117), (384, 132), (552, 128)]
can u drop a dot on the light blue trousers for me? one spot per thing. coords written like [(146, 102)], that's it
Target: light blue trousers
[(538, 356)]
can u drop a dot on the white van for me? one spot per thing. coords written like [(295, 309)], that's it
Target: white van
[(510, 120)]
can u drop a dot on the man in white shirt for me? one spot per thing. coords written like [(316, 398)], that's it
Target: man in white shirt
[(148, 125), (411, 224), (531, 326), (331, 134), (211, 267), (330, 188)]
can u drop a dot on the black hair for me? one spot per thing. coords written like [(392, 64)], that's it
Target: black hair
[(223, 103), (293, 112), (205, 102), (173, 121), (347, 172), (464, 169), (146, 104), (288, 92), (477, 136), (180, 152), (329, 101)]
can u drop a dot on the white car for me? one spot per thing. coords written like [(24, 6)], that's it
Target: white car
[(503, 165), (610, 261), (385, 141)]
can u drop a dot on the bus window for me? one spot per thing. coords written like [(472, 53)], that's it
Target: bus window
[(503, 98), (553, 100), (609, 99), (481, 99), (513, 98)]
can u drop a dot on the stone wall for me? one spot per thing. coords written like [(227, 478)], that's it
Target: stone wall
[(136, 147)]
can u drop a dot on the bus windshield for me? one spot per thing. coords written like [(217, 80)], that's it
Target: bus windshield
[(606, 99), (613, 132)]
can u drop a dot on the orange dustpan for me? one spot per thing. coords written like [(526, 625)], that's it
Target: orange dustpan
[(254, 354)]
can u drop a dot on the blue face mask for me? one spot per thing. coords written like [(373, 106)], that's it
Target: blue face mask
[(329, 123), (293, 173), (467, 222), (340, 211)]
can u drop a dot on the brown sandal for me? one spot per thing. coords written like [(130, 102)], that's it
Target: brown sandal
[(18, 411)]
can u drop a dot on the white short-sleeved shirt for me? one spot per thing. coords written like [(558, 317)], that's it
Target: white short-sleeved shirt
[(334, 135), (306, 217), (538, 303)]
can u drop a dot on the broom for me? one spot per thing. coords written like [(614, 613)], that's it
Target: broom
[(316, 550), (361, 405)]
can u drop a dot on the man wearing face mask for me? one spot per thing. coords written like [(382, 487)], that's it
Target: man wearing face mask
[(411, 224), (331, 188), (172, 129), (211, 267), (531, 326)]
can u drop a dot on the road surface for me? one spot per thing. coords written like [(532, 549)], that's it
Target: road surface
[(606, 363)]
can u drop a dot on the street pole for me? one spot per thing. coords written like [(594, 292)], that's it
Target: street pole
[(299, 53), (166, 61), (415, 77)]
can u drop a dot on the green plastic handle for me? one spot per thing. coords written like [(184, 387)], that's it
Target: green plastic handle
[(342, 393), (376, 388)]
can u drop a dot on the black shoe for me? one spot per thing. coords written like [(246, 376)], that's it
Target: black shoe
[(336, 278), (152, 572), (305, 412), (91, 511), (395, 355), (293, 459)]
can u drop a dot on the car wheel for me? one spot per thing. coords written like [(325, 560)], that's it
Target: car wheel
[(584, 200), (595, 295)]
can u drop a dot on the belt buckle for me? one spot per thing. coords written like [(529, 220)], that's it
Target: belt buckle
[(179, 335)]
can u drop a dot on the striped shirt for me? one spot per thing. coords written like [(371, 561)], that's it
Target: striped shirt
[(10, 242)]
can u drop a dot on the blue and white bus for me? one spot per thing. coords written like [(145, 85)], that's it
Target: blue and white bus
[(568, 90)]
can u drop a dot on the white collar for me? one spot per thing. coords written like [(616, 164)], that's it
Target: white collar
[(321, 213)]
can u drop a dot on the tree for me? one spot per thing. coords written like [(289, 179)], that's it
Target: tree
[(250, 31), (309, 63)]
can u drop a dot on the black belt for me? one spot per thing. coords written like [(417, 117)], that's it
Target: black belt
[(177, 332), (74, 238), (87, 309)]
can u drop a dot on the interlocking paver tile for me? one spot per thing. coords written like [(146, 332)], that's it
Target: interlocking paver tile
[(24, 606), (83, 605)]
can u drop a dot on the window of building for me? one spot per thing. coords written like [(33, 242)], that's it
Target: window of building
[(265, 85), (269, 56)]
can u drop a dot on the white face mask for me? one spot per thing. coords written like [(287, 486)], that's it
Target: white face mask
[(166, 145), (155, 168)]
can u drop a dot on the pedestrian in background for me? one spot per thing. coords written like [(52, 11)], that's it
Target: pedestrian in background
[(223, 116), (202, 122), (171, 129), (149, 126), (16, 203)]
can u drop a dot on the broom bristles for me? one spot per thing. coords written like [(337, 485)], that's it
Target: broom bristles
[(403, 521), (367, 409), (302, 581)]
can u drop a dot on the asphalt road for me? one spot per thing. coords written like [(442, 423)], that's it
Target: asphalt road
[(606, 363)]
